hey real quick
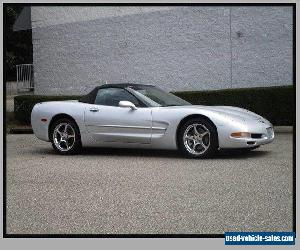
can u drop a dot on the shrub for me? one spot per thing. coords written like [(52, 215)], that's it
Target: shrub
[(277, 104)]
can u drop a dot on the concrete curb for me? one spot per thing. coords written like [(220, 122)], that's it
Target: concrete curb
[(283, 129)]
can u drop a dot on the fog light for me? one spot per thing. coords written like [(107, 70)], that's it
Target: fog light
[(241, 135)]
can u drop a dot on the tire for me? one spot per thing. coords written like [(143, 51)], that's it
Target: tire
[(203, 144), (65, 142)]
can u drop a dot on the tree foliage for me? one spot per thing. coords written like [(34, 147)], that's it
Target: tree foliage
[(18, 44)]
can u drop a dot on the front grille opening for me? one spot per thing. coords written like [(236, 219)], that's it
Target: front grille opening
[(256, 136), (251, 142)]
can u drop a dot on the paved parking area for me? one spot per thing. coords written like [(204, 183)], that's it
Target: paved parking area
[(107, 191)]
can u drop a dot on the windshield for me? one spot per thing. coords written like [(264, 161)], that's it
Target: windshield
[(156, 97)]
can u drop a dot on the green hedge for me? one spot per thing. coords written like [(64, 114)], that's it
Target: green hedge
[(274, 103), (23, 104)]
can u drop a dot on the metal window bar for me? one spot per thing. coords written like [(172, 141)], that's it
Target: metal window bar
[(25, 77)]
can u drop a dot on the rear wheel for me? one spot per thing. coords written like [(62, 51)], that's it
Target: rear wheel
[(65, 136), (197, 138)]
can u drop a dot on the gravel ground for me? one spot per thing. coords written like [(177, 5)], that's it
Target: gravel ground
[(107, 191)]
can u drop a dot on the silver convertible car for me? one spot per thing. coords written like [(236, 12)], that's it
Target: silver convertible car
[(143, 116)]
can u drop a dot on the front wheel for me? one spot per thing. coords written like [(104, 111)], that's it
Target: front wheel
[(198, 138), (65, 137)]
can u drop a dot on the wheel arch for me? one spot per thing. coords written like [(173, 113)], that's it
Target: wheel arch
[(61, 116), (192, 116)]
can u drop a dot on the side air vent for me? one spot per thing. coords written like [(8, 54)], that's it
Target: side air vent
[(256, 136)]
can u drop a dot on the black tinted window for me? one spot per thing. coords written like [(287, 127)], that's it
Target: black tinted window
[(112, 97)]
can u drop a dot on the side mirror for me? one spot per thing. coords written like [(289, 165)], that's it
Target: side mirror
[(127, 104)]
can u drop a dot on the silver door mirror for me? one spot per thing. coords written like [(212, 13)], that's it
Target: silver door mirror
[(127, 104)]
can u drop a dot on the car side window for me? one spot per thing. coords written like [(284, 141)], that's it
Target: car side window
[(112, 97)]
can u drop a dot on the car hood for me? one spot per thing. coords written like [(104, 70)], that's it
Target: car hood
[(230, 111), (235, 111)]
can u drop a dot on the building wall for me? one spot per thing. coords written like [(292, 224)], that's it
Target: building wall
[(177, 48)]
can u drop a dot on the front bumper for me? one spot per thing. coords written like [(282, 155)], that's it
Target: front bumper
[(226, 141)]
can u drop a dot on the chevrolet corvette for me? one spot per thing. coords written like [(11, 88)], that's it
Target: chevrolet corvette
[(144, 116)]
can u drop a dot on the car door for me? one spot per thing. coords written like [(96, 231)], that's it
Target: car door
[(110, 123)]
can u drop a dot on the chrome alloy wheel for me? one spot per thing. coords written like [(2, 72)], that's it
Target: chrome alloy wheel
[(196, 139), (64, 137)]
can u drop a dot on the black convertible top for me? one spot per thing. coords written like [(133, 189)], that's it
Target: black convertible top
[(90, 97)]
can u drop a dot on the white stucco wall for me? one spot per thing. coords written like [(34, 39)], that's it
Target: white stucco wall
[(177, 48)]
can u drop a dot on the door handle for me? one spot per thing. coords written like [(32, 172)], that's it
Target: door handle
[(94, 109)]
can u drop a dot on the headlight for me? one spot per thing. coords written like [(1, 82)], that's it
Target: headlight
[(241, 135)]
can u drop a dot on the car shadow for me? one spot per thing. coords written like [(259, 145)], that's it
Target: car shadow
[(121, 152), (131, 152), (240, 154)]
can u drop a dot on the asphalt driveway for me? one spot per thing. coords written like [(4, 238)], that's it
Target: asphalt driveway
[(107, 191)]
